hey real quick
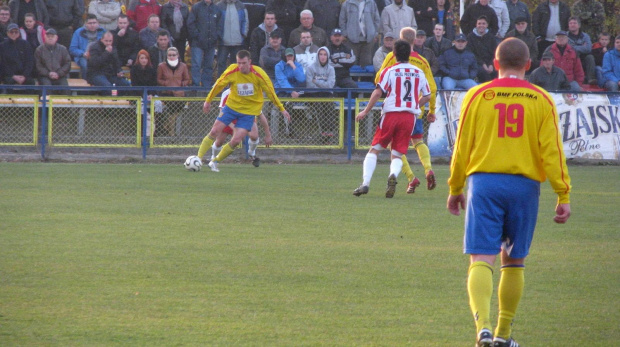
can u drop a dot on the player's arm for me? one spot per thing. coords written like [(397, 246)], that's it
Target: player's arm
[(374, 97), (433, 87), (266, 85), (388, 61), (554, 163), (219, 85), (265, 124)]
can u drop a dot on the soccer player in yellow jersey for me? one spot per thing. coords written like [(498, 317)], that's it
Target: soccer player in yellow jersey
[(507, 143), (245, 102), (409, 34)]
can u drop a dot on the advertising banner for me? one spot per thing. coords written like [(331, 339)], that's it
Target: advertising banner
[(589, 123)]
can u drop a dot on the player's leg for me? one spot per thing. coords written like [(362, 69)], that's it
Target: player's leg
[(368, 169), (520, 222), (242, 127), (207, 142), (219, 141), (509, 292), (425, 158), (400, 130), (483, 241), (480, 291), (252, 144)]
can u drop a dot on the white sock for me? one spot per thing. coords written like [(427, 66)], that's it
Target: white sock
[(214, 151), (395, 166), (370, 163), (252, 146)]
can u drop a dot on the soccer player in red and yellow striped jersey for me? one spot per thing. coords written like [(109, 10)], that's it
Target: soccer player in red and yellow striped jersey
[(245, 102), (409, 34), (508, 142)]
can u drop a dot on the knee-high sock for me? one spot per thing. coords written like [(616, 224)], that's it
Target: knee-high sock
[(425, 156), (370, 163), (215, 150), (509, 293), (407, 169), (252, 146), (225, 152), (207, 142), (395, 166), (480, 289)]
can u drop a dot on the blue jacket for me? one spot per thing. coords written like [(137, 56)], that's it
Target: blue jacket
[(202, 25), (611, 65), (286, 77), (79, 42), (243, 18), (458, 65)]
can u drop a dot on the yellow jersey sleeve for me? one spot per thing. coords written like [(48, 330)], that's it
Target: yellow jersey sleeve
[(509, 126)]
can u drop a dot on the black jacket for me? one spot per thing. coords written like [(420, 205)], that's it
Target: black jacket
[(470, 17), (143, 77), (127, 46), (542, 15), (483, 47), (338, 59), (17, 58), (102, 62)]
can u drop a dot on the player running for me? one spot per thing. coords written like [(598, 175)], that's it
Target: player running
[(229, 130), (245, 102), (408, 34), (407, 89), (507, 143)]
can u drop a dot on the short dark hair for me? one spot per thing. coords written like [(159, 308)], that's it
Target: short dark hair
[(5, 8), (483, 17), (151, 16), (30, 14), (512, 53), (122, 15), (402, 50), (574, 18), (243, 54), (163, 32), (269, 12), (617, 37), (91, 16)]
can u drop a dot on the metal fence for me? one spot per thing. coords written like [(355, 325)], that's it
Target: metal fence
[(19, 120), (87, 120)]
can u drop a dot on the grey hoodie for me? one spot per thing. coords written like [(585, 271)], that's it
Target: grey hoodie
[(320, 76)]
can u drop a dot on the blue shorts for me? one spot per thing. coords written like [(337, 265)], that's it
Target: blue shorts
[(244, 121), (418, 129), (501, 213)]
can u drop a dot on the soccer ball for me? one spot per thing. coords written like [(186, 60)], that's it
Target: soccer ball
[(193, 163)]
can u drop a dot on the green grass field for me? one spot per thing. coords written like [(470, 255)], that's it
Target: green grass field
[(282, 255)]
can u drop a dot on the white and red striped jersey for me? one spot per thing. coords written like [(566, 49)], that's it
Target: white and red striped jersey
[(224, 98), (404, 85)]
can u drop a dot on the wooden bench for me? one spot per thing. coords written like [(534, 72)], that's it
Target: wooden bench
[(75, 70)]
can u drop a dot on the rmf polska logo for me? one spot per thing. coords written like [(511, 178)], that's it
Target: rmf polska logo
[(489, 95)]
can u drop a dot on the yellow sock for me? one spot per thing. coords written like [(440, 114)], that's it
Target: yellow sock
[(207, 142), (425, 156), (407, 169), (225, 152), (480, 289), (509, 293)]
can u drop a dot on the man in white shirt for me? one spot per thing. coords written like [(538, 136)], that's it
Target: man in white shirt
[(306, 50)]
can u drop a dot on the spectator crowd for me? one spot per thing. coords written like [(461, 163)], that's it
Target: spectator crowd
[(299, 44)]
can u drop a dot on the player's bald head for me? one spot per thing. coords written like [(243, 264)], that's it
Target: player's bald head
[(408, 34), (512, 53)]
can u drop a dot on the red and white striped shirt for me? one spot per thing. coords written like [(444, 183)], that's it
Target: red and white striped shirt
[(404, 85)]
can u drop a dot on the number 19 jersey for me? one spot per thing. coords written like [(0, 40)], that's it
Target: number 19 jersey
[(509, 126), (404, 85)]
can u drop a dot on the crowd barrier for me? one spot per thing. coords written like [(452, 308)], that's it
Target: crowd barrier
[(46, 116)]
